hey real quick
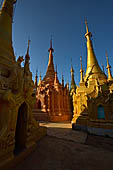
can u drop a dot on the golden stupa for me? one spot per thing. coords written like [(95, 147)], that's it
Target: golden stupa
[(93, 99), (18, 130)]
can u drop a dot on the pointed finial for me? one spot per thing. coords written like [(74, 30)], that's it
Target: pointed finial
[(81, 60), (28, 45), (51, 48), (107, 57), (36, 78), (81, 70), (87, 30), (106, 54), (72, 70), (51, 42), (62, 79), (56, 68), (108, 65), (108, 68), (56, 78), (88, 34)]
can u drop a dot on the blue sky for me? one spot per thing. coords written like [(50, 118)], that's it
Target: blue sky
[(65, 21)]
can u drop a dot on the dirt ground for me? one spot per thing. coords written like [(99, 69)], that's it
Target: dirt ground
[(66, 149)]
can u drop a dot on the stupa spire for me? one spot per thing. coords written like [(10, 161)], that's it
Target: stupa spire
[(6, 15), (108, 68), (87, 29), (56, 78), (27, 58), (56, 68), (93, 69), (62, 80), (36, 79), (81, 70), (50, 50), (73, 84), (50, 74), (28, 46), (27, 54)]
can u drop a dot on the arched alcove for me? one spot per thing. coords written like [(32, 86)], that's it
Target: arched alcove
[(21, 128), (101, 113)]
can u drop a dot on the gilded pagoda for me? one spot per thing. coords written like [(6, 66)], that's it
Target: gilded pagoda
[(93, 98)]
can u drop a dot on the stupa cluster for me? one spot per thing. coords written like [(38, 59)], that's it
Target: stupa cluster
[(88, 106)]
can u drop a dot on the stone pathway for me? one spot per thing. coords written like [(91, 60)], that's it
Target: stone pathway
[(64, 131), (65, 149)]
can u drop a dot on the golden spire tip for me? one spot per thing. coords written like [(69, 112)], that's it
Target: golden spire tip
[(106, 54), (87, 30)]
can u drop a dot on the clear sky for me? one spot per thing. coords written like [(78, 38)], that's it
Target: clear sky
[(65, 21)]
